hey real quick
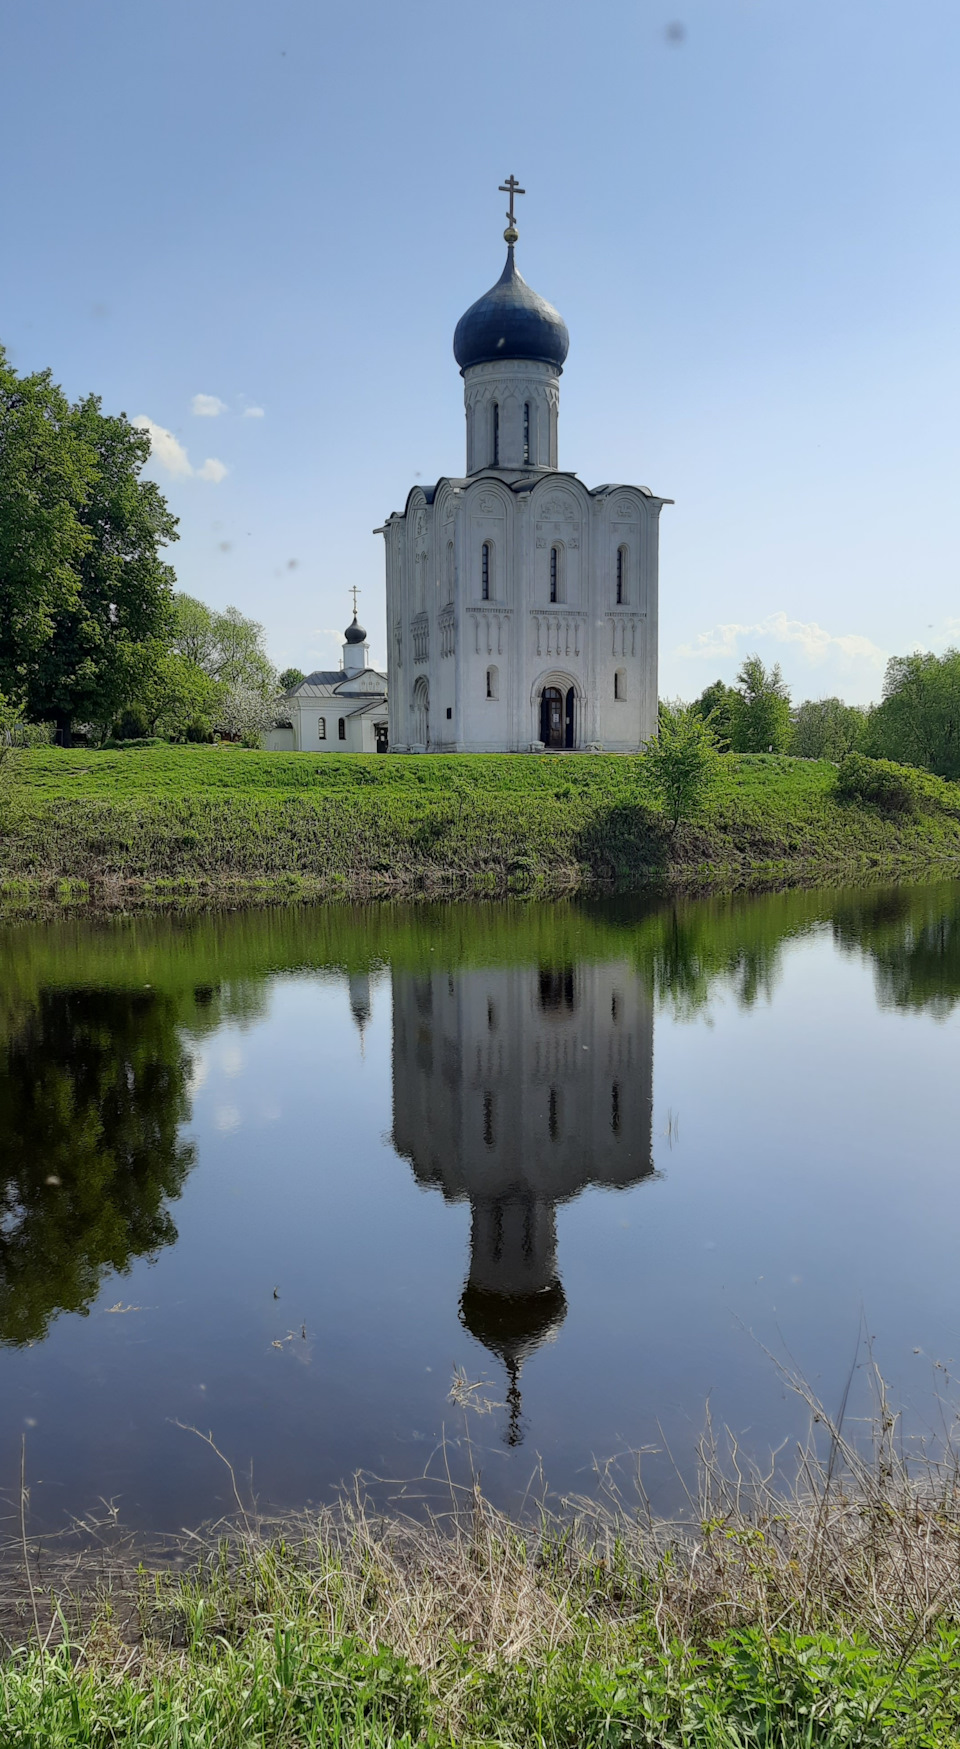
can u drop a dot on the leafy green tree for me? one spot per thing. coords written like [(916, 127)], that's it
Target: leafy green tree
[(761, 716), (717, 705), (290, 679), (84, 595), (192, 634), (179, 700), (826, 728), (226, 646), (918, 720), (684, 763), (93, 1090), (47, 468)]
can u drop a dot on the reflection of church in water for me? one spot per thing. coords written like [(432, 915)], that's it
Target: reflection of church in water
[(516, 1088)]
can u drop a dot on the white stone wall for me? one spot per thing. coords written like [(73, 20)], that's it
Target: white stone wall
[(306, 716), (511, 410), (445, 637)]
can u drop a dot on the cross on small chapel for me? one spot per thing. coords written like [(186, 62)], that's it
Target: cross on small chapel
[(354, 591), (511, 187)]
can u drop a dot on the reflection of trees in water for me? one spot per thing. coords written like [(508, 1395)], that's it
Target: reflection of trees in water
[(912, 935), (693, 950), (689, 951), (93, 1088)]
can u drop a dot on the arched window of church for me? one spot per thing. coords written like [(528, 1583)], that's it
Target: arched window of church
[(496, 435), (486, 567), (620, 683), (526, 432), (322, 729), (556, 575), (621, 576), (342, 729), (493, 683)]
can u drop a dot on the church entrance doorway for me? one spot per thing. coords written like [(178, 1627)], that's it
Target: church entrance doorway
[(556, 717)]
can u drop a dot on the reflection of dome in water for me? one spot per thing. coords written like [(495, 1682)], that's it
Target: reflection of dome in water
[(513, 1326)]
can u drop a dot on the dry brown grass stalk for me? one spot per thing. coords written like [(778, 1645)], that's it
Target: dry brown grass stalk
[(860, 1541)]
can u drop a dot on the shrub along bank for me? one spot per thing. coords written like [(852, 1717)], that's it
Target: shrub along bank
[(230, 823)]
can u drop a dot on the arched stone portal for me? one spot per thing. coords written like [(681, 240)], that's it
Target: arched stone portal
[(421, 712), (558, 714)]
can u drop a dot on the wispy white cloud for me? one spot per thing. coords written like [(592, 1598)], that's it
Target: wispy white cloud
[(170, 453), (208, 406), (253, 412), (727, 640), (212, 470)]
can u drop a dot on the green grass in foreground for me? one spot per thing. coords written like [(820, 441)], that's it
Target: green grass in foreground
[(823, 1617), (172, 822)]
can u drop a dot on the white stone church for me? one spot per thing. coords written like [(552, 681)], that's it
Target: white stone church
[(521, 604)]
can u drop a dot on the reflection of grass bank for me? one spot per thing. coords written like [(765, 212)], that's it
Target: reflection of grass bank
[(181, 824), (827, 1619)]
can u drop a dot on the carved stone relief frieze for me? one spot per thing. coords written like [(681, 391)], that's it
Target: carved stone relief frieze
[(625, 633), (558, 634), (490, 631), (448, 633), (420, 636), (557, 509)]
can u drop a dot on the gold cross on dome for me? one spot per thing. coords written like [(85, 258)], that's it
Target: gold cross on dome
[(511, 187), (354, 592)]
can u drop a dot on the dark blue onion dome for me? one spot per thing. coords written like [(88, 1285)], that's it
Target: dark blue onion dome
[(355, 634), (511, 321)]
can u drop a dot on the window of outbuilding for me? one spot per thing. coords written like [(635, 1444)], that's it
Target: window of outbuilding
[(322, 729), (342, 729)]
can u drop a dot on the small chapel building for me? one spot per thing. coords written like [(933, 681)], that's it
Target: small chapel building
[(521, 604), (335, 710)]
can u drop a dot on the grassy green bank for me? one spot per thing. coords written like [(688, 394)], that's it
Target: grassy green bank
[(161, 823), (828, 1618)]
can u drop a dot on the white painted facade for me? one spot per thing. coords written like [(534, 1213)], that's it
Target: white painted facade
[(340, 710), (521, 605)]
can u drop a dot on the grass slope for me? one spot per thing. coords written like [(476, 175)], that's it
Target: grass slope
[(823, 1618), (222, 821)]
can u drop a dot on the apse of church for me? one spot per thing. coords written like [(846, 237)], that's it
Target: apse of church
[(515, 1089), (521, 605)]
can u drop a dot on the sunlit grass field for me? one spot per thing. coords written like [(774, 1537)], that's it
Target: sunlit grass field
[(230, 822)]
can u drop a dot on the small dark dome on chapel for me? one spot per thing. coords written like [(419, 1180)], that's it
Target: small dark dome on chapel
[(355, 633), (511, 321)]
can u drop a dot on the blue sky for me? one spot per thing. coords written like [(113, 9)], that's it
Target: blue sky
[(746, 211)]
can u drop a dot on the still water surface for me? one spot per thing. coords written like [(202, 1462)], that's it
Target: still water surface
[(277, 1175)]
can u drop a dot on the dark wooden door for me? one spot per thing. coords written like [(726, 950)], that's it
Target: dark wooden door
[(552, 717)]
